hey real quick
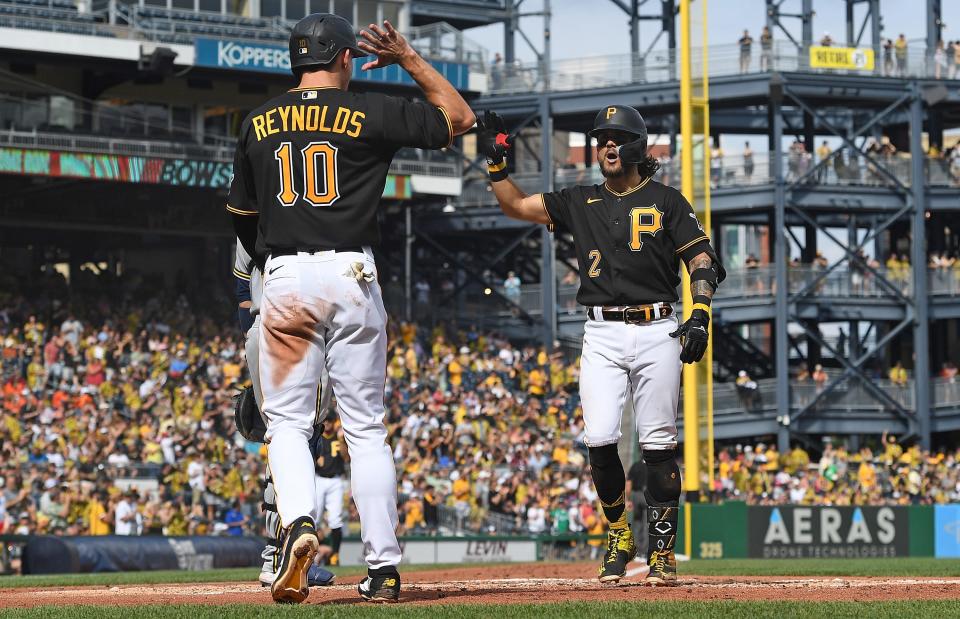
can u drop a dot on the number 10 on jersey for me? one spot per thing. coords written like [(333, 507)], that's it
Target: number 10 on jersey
[(320, 187)]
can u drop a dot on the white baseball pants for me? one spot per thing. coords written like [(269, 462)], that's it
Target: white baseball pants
[(330, 500), (639, 361), (316, 314)]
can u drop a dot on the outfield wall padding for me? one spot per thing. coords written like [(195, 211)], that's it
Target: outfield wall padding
[(117, 553), (735, 530)]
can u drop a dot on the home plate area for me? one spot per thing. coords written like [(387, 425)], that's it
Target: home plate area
[(514, 583)]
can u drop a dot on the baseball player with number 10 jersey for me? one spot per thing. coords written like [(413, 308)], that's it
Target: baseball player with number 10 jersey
[(630, 234), (309, 172)]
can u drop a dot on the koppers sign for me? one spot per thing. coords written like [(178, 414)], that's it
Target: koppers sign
[(273, 58), (242, 55), (790, 531)]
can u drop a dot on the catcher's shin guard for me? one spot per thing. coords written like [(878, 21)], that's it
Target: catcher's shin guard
[(662, 534)]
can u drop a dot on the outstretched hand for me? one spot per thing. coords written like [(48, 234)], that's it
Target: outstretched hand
[(493, 141), (388, 45)]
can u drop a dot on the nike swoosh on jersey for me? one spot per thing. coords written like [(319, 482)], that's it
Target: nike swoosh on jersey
[(274, 269), (592, 200)]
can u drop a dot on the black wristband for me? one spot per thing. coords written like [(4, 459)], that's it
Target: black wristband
[(702, 299), (497, 170)]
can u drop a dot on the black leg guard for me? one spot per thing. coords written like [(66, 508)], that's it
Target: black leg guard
[(663, 499), (609, 480), (336, 536)]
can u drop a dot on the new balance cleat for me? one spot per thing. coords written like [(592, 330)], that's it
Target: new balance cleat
[(299, 549), (382, 585)]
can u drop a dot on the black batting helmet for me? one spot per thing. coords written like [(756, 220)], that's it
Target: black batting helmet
[(317, 39), (619, 118)]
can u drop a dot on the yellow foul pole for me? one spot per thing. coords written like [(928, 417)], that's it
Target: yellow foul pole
[(695, 185)]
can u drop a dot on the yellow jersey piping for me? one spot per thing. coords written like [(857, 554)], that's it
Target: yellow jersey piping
[(446, 117), (237, 211), (692, 243), (629, 191)]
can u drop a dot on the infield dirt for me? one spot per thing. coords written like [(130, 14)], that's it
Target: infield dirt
[(506, 584)]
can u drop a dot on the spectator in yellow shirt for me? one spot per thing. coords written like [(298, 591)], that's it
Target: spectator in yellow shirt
[(538, 382), (898, 375), (461, 489), (96, 515), (867, 475), (455, 370)]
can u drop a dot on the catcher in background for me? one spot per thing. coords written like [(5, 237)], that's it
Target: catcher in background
[(630, 234), (251, 425)]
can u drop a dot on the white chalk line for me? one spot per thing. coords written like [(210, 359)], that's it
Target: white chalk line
[(502, 584)]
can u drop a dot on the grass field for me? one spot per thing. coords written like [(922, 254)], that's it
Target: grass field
[(722, 608), (719, 610)]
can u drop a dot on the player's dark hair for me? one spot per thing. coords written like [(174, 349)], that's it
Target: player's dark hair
[(648, 167), (311, 68)]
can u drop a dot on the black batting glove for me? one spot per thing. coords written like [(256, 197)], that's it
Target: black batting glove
[(493, 141), (633, 152), (693, 334)]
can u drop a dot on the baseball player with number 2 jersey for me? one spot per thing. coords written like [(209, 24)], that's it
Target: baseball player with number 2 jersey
[(630, 234), (309, 171)]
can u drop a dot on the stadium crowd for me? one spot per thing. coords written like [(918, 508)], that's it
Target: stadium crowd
[(118, 418), (891, 474)]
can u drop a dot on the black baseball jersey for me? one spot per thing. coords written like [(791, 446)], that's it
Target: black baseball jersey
[(313, 163), (629, 245), (329, 450)]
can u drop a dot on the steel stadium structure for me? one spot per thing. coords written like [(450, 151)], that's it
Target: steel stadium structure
[(116, 144), (771, 319)]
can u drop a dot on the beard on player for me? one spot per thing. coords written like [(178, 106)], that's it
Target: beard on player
[(611, 166)]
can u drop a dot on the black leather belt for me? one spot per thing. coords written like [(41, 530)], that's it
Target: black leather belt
[(634, 314), (291, 251)]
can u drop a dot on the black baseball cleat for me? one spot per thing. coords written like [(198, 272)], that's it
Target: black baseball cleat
[(299, 549), (620, 551), (663, 569), (382, 585)]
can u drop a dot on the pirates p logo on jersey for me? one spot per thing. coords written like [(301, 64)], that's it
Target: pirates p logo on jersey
[(644, 220)]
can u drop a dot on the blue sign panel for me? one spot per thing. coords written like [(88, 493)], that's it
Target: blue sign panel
[(242, 55), (946, 524), (266, 58)]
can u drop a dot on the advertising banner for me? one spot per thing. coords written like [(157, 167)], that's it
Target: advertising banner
[(946, 525), (275, 58), (451, 550), (133, 169), (793, 531), (854, 58)]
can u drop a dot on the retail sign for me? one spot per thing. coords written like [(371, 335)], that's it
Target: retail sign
[(851, 58)]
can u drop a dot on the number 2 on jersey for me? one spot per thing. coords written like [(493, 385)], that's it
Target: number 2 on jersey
[(320, 187)]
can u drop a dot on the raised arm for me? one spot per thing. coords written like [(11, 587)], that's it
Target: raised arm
[(390, 47), (493, 142)]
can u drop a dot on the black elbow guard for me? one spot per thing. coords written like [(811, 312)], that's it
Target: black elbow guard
[(713, 275)]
